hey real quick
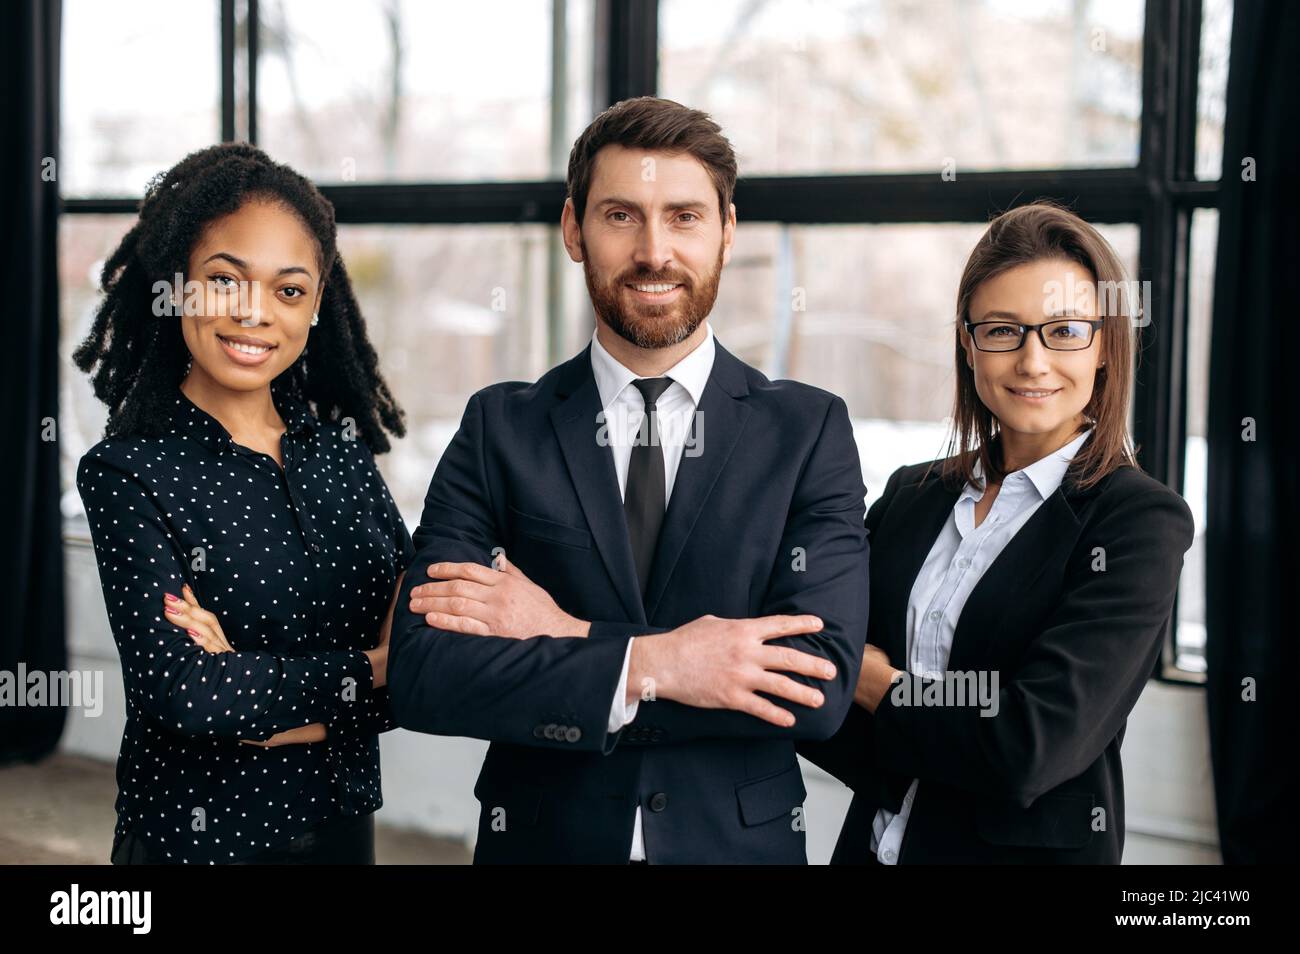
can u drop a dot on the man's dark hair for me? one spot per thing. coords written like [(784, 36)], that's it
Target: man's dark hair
[(649, 122)]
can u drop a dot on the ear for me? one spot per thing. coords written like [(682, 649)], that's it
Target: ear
[(571, 231), (966, 347), (728, 233)]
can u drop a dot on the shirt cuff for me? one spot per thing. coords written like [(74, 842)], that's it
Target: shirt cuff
[(620, 713)]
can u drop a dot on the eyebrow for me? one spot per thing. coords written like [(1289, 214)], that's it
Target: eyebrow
[(684, 205), (1012, 316), (240, 263)]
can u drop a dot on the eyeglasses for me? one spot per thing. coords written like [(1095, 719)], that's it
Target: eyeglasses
[(1064, 334)]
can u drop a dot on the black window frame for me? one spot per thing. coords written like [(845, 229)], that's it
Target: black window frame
[(1159, 195)]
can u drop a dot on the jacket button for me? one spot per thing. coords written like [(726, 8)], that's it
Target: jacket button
[(549, 731), (658, 802), (573, 733), (539, 731)]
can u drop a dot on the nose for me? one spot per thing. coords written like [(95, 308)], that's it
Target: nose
[(1033, 358), (248, 304), (652, 249)]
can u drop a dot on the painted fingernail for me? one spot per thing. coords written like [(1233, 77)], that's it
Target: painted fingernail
[(192, 633), (172, 610), (171, 599)]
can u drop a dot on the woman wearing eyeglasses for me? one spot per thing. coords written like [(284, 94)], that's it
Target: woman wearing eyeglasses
[(1021, 586)]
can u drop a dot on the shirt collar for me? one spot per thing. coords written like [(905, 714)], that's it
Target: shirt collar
[(692, 372), (1045, 474), (190, 420)]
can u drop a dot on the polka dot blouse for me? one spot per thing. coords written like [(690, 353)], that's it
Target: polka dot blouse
[(299, 567)]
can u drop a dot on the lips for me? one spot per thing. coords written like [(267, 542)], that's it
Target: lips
[(245, 350), (1034, 394), (654, 291)]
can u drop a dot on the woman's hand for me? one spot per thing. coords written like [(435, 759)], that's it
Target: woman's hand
[(314, 732), (195, 620), (469, 598), (874, 679), (205, 630)]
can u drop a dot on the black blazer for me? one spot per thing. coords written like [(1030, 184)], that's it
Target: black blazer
[(767, 518), (1073, 645)]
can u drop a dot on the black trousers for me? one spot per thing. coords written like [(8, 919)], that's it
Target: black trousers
[(345, 840)]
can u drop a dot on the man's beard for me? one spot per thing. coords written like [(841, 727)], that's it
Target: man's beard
[(653, 326)]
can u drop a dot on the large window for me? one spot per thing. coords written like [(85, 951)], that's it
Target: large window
[(875, 139)]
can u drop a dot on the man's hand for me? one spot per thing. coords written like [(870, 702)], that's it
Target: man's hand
[(714, 663), (469, 598), (874, 679)]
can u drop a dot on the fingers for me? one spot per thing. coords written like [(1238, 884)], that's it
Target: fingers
[(759, 707), (190, 616), (443, 588), (770, 627), (451, 606), (457, 624), (206, 640), (775, 684), (463, 571), (788, 659), (504, 565)]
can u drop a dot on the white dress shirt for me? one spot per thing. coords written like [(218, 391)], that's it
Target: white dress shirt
[(624, 410), (959, 558)]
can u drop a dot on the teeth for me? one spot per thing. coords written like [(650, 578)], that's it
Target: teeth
[(658, 289), (1034, 393), (246, 348)]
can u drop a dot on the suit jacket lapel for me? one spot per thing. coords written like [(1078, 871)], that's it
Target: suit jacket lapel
[(591, 468), (915, 528), (1013, 575), (717, 427)]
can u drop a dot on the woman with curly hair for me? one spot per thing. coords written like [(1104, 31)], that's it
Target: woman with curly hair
[(248, 548)]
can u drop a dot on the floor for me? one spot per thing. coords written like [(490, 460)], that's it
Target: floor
[(60, 811)]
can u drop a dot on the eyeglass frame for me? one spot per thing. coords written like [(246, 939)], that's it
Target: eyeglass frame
[(1093, 323)]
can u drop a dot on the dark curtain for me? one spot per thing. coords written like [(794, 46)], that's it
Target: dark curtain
[(31, 554), (1251, 651)]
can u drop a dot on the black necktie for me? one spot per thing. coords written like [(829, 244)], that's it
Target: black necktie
[(644, 497)]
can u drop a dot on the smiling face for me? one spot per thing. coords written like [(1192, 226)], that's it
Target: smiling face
[(652, 244), (259, 264), (1036, 394)]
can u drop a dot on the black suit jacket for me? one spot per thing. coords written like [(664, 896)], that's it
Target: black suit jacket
[(766, 518), (1073, 645)]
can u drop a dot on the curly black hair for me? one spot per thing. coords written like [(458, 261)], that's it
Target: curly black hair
[(142, 360)]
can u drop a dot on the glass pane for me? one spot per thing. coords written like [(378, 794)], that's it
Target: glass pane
[(85, 241), (1211, 96), (822, 86), (452, 309), (141, 87), (864, 311), (1189, 634), (413, 91)]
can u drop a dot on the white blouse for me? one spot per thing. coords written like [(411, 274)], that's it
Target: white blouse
[(961, 555)]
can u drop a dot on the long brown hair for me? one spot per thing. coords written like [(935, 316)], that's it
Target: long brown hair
[(1031, 233)]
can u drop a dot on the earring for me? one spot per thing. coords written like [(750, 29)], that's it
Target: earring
[(315, 319)]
